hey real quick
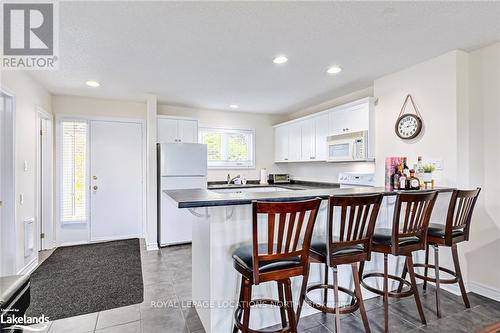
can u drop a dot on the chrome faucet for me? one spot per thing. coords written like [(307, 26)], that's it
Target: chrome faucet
[(230, 180)]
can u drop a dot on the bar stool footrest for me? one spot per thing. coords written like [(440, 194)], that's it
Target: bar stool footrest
[(433, 279), (390, 293), (239, 310), (326, 309)]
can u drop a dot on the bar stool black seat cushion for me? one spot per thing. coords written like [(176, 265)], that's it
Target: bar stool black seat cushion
[(438, 230), (384, 237), (319, 248), (243, 256)]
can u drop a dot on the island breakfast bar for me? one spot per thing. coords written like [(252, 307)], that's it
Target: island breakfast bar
[(224, 222)]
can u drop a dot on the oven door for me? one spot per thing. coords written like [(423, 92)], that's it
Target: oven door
[(340, 150)]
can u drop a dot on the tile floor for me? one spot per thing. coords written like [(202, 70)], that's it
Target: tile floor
[(167, 283)]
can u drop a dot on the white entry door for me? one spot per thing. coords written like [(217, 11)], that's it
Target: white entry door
[(115, 180)]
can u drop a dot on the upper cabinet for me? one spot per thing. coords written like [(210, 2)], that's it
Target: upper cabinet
[(349, 119), (304, 139), (172, 130)]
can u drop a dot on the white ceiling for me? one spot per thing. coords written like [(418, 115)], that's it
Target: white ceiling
[(212, 54)]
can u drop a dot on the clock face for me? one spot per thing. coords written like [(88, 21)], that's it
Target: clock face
[(408, 126)]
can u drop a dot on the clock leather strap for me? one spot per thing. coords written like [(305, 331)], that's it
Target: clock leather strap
[(409, 97)]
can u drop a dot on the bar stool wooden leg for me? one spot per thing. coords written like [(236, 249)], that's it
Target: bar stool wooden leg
[(414, 288), (426, 264), (436, 271), (386, 296), (336, 298), (247, 297), (454, 253), (303, 291), (235, 329), (325, 292), (289, 306), (403, 276), (282, 301), (359, 295)]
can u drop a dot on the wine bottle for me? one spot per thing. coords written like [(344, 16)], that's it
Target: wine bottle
[(413, 182), (402, 178), (395, 178)]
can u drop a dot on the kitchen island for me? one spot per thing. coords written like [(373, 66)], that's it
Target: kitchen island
[(224, 223)]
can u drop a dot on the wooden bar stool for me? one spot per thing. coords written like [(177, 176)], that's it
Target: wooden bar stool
[(283, 255), (352, 245), (455, 230), (412, 212)]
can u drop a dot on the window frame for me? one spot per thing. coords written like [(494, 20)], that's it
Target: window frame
[(60, 166), (226, 164)]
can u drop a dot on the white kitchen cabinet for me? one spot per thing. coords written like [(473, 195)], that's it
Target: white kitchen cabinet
[(304, 139), (321, 128), (349, 119), (281, 143), (188, 130), (308, 140), (295, 145), (171, 130)]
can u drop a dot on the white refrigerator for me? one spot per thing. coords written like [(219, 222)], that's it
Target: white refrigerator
[(180, 166)]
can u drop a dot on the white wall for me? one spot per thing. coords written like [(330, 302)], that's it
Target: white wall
[(482, 252), (97, 107), (433, 85), (28, 94), (323, 171), (261, 123)]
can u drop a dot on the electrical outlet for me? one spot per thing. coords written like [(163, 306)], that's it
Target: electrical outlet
[(438, 164)]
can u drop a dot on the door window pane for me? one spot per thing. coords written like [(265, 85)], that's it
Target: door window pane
[(74, 171)]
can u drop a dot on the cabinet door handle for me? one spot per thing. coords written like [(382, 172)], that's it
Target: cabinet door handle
[(312, 157), (286, 159)]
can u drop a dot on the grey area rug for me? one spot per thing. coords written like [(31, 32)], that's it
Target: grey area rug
[(80, 279)]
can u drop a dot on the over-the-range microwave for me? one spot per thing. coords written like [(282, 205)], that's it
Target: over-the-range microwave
[(347, 147)]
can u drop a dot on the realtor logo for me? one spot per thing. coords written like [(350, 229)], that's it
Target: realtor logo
[(29, 35)]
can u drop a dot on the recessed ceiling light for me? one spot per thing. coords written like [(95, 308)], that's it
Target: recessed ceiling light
[(334, 70), (92, 83), (234, 106), (280, 60)]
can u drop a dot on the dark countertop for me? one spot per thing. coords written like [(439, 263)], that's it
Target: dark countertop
[(206, 198)]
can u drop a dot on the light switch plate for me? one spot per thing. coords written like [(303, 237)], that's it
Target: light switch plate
[(21, 199), (25, 165), (438, 164)]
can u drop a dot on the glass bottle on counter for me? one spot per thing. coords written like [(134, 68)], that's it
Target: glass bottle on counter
[(403, 178), (395, 177), (419, 170), (406, 171), (413, 183)]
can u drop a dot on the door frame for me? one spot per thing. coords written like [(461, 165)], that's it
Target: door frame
[(63, 116), (8, 244), (45, 208)]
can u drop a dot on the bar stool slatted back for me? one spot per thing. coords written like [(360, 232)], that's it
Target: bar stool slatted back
[(283, 254), (455, 230), (350, 243), (412, 212), (459, 216)]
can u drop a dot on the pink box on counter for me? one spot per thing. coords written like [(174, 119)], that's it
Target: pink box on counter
[(390, 167)]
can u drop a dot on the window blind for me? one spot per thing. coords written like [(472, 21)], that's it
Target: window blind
[(74, 171)]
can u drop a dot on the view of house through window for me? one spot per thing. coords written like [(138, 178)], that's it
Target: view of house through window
[(74, 171), (233, 148)]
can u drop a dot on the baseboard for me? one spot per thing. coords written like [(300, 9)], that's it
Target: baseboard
[(152, 246), (73, 243), (29, 267), (472, 287), (484, 290), (108, 239)]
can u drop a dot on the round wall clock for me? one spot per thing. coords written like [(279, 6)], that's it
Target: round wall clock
[(408, 126)]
